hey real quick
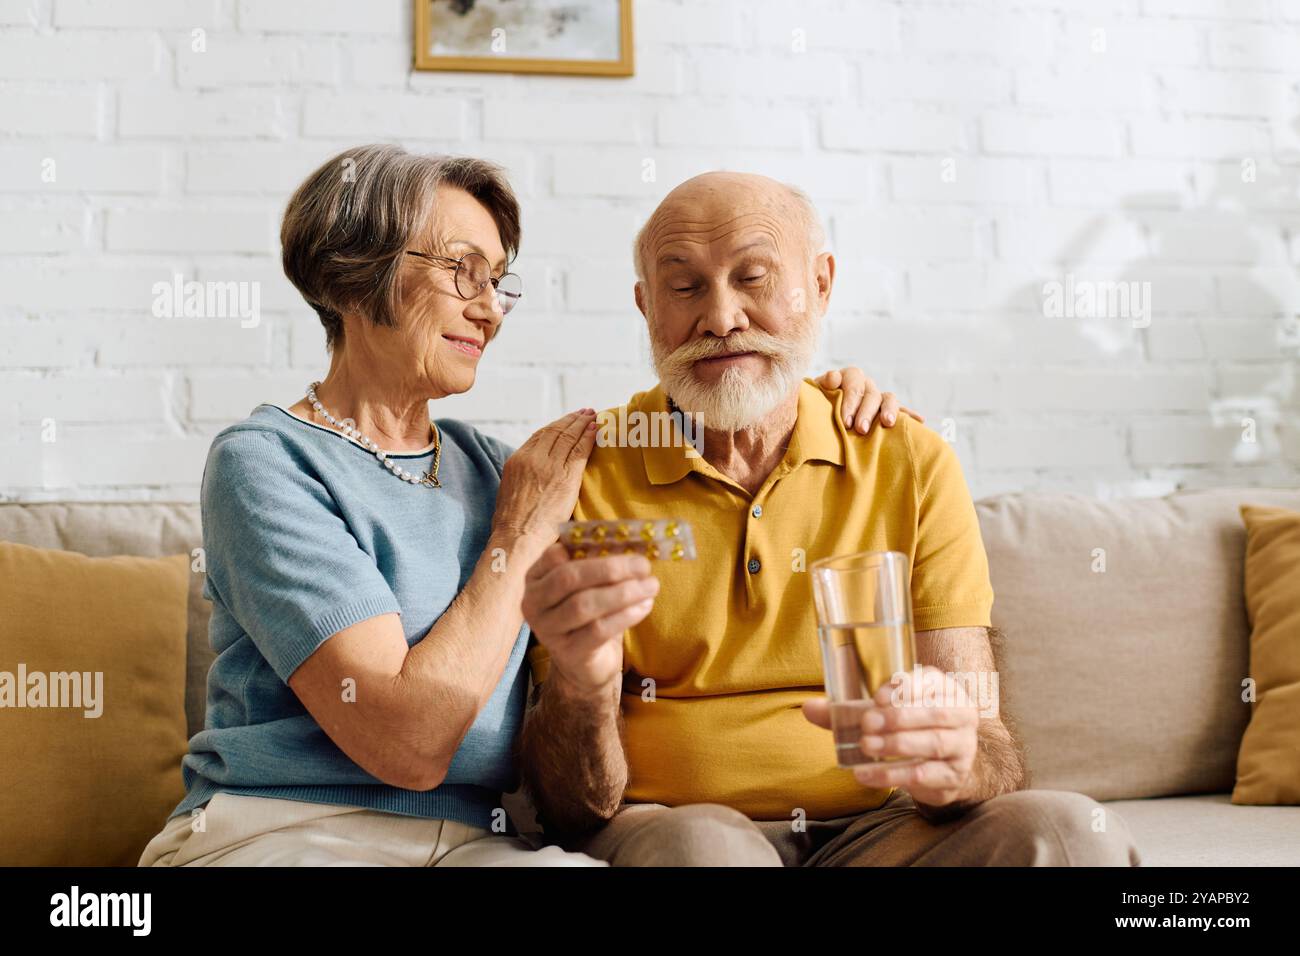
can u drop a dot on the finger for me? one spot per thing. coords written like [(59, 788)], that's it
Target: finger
[(545, 435), (917, 415), (856, 387), (899, 717), (853, 377), (591, 604), (567, 436), (885, 774), (866, 415), (589, 638), (582, 448), (831, 380), (560, 423), (818, 711), (573, 577), (551, 558), (933, 743), (889, 409), (888, 413)]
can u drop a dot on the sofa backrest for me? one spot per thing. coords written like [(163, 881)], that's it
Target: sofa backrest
[(1128, 681), (1123, 682)]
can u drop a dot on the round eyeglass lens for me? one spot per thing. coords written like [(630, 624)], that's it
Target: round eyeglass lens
[(472, 275), (509, 288)]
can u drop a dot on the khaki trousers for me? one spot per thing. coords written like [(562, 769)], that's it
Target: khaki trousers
[(241, 830), (1025, 828)]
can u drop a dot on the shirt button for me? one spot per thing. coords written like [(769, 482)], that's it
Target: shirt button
[(758, 511), (754, 565)]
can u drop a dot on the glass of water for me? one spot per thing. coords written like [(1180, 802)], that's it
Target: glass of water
[(864, 624)]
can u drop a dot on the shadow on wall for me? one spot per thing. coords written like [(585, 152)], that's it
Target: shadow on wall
[(1164, 309), (1166, 312)]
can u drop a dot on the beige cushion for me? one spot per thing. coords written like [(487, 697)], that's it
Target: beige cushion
[(1125, 683), (93, 663), (1209, 831), (1268, 766), (138, 528)]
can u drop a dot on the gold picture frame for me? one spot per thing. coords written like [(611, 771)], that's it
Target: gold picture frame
[(501, 63)]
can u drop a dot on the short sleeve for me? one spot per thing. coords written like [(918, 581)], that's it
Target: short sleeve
[(950, 570), (280, 557), (496, 450)]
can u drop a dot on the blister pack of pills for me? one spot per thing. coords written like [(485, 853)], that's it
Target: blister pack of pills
[(663, 540)]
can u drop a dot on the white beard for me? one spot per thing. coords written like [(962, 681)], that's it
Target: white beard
[(738, 399)]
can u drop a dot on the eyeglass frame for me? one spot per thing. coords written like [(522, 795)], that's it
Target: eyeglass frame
[(494, 281)]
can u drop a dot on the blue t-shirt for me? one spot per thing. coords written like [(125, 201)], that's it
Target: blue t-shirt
[(305, 534)]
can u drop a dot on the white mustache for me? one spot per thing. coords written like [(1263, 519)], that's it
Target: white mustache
[(748, 341)]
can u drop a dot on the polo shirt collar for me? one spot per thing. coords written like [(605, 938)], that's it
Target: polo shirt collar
[(817, 436), (664, 465), (818, 432)]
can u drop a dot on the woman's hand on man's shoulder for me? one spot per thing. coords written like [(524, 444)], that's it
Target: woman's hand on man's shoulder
[(540, 481)]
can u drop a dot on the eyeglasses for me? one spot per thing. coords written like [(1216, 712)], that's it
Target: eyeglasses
[(473, 273)]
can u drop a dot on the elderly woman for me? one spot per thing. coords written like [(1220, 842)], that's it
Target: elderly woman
[(365, 563)]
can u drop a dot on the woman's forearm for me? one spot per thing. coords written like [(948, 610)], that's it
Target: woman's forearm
[(448, 677)]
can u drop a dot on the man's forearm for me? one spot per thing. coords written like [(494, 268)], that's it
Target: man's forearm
[(999, 768), (572, 756)]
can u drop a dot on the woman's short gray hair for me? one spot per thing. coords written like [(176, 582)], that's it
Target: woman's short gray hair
[(347, 225)]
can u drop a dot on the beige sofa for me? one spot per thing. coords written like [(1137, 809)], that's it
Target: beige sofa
[(1124, 648)]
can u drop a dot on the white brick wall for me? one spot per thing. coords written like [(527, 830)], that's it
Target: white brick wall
[(963, 153)]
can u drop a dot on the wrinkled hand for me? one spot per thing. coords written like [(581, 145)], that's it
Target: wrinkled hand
[(945, 733), (579, 610), (539, 483), (863, 401)]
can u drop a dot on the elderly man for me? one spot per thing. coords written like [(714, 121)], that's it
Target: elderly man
[(679, 716)]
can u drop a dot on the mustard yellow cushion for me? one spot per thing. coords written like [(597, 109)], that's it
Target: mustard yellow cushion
[(1268, 763), (92, 704)]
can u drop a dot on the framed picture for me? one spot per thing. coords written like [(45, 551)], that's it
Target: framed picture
[(525, 36)]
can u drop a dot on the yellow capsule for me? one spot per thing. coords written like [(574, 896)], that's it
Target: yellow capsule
[(648, 531), (598, 533), (671, 530), (603, 552), (580, 553), (678, 552), (652, 552), (621, 532), (575, 535)]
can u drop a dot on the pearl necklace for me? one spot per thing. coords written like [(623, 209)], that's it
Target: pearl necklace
[(428, 479)]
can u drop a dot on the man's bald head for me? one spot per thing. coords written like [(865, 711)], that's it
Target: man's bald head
[(721, 197)]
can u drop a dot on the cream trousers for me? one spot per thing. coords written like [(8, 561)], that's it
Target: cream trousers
[(239, 830)]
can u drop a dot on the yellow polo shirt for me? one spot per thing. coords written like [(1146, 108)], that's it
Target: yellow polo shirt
[(731, 645)]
